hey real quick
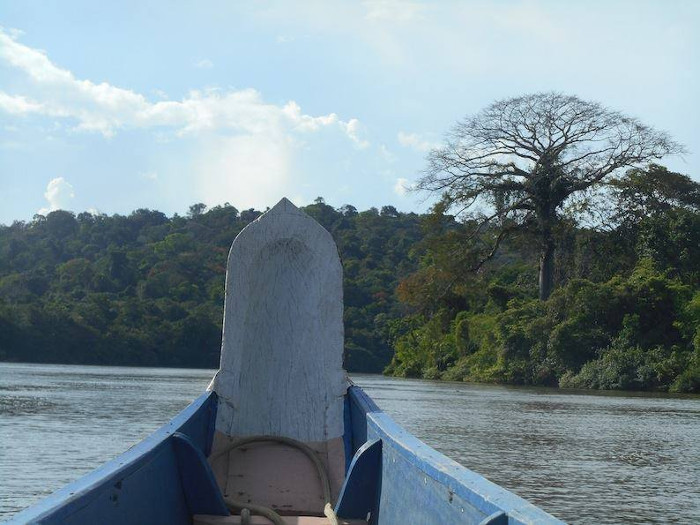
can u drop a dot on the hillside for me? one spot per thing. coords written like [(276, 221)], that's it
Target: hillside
[(147, 289)]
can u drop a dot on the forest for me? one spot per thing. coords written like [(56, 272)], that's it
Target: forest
[(147, 290), (624, 313)]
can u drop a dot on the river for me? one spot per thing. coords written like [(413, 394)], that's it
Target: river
[(590, 458)]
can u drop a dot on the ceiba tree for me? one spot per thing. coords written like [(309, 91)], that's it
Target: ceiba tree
[(513, 166)]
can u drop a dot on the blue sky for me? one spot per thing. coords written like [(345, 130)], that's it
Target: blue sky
[(113, 106)]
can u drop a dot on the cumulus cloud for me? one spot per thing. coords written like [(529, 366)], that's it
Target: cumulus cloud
[(17, 105), (352, 130), (403, 186), (241, 146), (303, 122), (415, 141), (59, 194), (106, 109)]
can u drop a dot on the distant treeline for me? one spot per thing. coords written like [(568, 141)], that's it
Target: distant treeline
[(147, 289)]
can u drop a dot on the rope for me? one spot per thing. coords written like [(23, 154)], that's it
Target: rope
[(260, 510)]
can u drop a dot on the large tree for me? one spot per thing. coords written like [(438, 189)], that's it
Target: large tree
[(513, 166)]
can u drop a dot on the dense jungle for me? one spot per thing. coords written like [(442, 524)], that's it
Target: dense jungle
[(147, 290)]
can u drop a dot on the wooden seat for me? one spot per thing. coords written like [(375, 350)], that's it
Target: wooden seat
[(278, 476), (203, 519)]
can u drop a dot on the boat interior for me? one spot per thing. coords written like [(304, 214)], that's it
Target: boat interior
[(273, 474)]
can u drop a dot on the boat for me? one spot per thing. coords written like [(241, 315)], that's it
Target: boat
[(281, 435)]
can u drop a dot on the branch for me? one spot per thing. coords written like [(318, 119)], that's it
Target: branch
[(497, 243)]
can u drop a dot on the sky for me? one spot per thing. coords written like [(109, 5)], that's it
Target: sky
[(109, 107)]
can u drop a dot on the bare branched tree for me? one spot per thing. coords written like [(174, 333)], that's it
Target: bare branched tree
[(515, 164)]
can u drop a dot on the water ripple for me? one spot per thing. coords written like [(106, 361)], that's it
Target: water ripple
[(588, 458)]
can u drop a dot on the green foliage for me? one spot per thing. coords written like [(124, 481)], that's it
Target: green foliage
[(423, 349), (146, 289), (634, 333), (627, 365), (626, 314)]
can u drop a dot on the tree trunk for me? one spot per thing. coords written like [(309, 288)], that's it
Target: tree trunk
[(547, 269)]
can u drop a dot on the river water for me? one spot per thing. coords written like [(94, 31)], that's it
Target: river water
[(585, 457)]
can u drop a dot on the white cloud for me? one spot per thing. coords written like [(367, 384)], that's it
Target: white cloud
[(352, 130), (415, 141), (403, 186), (14, 32), (305, 122), (242, 148), (204, 63), (105, 109), (17, 105), (59, 194)]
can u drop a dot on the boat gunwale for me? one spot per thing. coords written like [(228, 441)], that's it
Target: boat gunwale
[(475, 489), (468, 485)]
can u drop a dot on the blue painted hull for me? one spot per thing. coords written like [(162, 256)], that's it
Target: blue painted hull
[(391, 476)]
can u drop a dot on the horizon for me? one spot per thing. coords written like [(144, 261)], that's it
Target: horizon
[(110, 109)]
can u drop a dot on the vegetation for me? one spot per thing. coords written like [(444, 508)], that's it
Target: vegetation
[(625, 313), (148, 290), (517, 164)]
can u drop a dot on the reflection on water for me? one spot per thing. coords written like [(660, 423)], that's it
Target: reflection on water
[(587, 458)]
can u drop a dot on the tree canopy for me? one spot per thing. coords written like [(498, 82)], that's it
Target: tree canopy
[(625, 313), (147, 289), (514, 165)]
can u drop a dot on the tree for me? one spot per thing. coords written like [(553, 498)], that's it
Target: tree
[(514, 166), (389, 211), (348, 210), (653, 191), (196, 210)]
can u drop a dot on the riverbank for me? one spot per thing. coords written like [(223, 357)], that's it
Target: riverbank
[(641, 332)]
